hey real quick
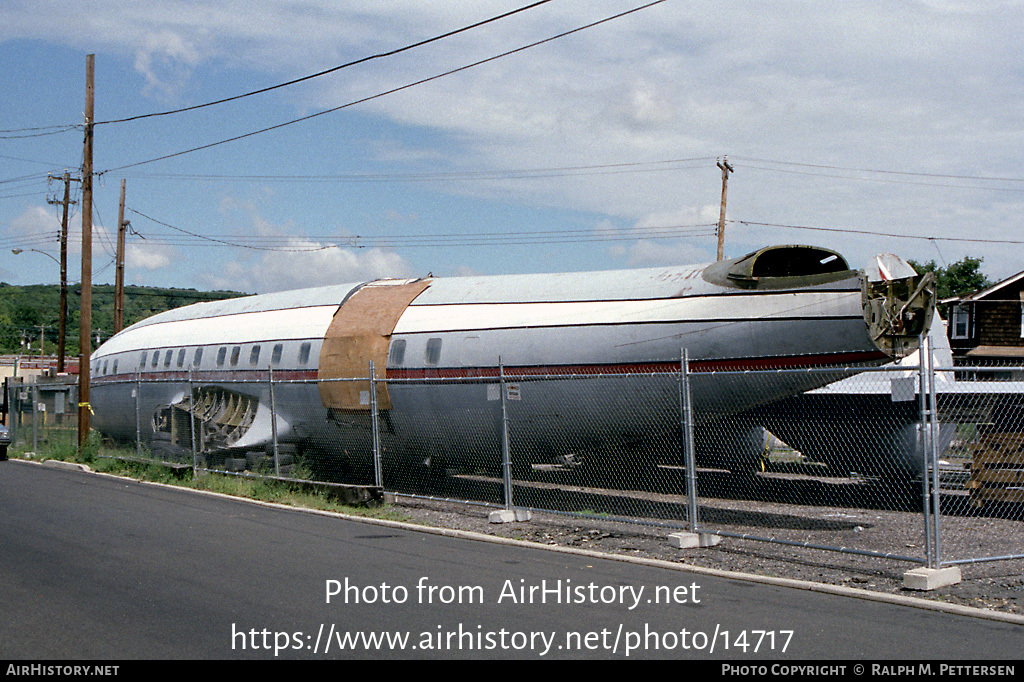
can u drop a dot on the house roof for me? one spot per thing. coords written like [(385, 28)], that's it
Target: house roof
[(985, 293), (996, 352)]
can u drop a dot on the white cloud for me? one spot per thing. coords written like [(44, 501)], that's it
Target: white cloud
[(307, 264), (145, 256), (659, 252), (166, 61), (36, 222), (298, 262), (927, 85)]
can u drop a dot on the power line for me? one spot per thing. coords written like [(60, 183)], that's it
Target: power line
[(947, 176), (55, 129), (887, 180), (879, 234), (380, 55), (388, 92), (444, 176), (37, 132), (14, 196), (25, 178), (269, 242), (219, 241), (18, 158)]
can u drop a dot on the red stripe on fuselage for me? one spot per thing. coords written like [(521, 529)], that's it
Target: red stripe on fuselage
[(736, 364)]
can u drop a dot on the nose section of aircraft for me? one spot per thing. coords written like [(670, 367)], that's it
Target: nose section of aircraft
[(898, 304)]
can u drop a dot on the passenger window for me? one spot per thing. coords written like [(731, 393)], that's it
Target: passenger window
[(433, 351), (142, 362), (254, 355), (114, 369), (167, 357), (304, 353), (181, 358), (397, 356), (105, 364), (156, 358), (221, 355), (235, 353), (275, 356), (198, 357), (470, 351)]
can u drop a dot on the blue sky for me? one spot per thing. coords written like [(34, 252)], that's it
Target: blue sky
[(870, 122)]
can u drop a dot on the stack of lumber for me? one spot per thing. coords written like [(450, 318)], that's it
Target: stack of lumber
[(997, 468)]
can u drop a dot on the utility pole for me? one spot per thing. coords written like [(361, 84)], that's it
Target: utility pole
[(84, 409), (63, 316), (726, 169), (119, 278)]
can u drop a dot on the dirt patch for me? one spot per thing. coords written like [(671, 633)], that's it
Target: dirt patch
[(995, 585)]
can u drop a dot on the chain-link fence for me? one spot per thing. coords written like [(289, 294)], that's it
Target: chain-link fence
[(42, 415), (981, 468), (811, 457)]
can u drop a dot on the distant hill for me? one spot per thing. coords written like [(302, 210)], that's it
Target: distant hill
[(28, 311)]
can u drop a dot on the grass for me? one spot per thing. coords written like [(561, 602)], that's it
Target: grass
[(591, 512), (123, 461)]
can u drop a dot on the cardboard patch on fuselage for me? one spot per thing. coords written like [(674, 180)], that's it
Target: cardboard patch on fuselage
[(361, 332)]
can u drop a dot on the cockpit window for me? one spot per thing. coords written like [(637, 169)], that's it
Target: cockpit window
[(777, 267)]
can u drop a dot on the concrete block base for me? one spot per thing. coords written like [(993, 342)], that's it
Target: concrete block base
[(60, 464), (691, 540), (925, 579), (509, 515)]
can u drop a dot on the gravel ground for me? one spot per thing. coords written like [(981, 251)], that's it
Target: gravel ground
[(867, 524)]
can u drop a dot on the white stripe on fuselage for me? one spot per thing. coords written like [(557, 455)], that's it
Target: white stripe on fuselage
[(276, 325), (477, 316), (312, 322)]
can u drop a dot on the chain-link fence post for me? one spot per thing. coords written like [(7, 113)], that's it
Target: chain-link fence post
[(192, 423), (35, 418), (506, 462), (378, 475), (12, 411), (138, 412), (273, 422), (686, 414), (927, 355), (923, 441)]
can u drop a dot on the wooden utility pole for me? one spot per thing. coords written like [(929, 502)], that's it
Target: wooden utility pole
[(119, 278), (726, 169), (84, 334), (63, 315)]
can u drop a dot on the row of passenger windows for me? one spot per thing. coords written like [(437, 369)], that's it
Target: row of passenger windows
[(432, 355), (175, 357), (231, 356), (222, 356)]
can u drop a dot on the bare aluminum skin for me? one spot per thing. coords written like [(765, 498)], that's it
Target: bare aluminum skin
[(785, 306)]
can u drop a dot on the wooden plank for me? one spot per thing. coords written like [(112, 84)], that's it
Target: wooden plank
[(998, 495), (361, 332), (1002, 476), (997, 468), (1006, 439), (986, 458)]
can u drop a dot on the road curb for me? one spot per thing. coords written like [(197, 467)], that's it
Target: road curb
[(58, 464), (839, 590)]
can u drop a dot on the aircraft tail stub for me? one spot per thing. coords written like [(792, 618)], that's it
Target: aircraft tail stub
[(898, 305)]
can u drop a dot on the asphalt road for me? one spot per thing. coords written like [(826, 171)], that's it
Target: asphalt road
[(93, 567)]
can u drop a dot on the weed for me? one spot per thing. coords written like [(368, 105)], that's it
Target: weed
[(120, 460)]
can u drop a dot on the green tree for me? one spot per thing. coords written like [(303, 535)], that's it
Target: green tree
[(956, 279)]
